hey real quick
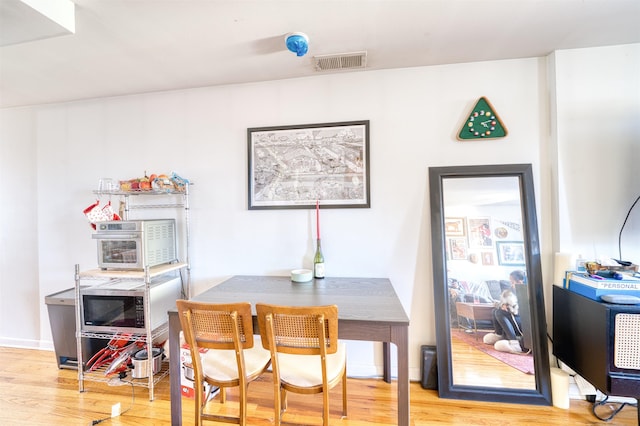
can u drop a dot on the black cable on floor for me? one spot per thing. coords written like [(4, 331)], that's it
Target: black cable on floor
[(133, 398), (615, 411)]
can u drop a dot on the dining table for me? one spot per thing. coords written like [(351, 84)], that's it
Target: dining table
[(368, 310)]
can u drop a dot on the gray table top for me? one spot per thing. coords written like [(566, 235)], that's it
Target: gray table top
[(358, 299)]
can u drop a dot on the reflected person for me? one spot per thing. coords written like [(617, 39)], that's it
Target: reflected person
[(516, 277), (508, 336)]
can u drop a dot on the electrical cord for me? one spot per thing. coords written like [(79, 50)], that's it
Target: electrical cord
[(614, 412), (133, 398), (623, 224), (597, 404)]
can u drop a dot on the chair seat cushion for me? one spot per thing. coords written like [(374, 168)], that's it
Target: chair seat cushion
[(221, 365), (306, 370)]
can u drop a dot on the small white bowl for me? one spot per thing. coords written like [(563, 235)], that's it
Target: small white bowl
[(301, 275)]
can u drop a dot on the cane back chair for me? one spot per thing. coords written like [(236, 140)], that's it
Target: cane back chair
[(306, 356), (232, 359)]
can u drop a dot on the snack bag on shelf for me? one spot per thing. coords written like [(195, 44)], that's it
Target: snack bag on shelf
[(179, 182)]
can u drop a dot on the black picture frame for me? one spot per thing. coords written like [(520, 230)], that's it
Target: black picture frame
[(292, 167), (534, 310)]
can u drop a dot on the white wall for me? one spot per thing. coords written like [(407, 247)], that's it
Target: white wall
[(20, 308), (53, 155), (595, 175), (598, 136)]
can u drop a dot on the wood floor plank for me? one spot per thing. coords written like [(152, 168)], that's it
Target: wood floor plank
[(33, 391)]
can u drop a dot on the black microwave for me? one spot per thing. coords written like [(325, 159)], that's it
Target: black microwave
[(121, 306)]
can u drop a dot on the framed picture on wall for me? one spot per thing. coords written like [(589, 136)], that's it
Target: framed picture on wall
[(479, 230), (290, 167), (454, 227), (458, 248), (487, 258), (510, 253)]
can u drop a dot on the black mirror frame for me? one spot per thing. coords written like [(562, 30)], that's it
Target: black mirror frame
[(446, 388)]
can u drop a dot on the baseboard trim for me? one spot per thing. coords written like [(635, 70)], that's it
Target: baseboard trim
[(26, 344)]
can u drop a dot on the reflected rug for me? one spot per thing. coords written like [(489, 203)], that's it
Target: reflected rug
[(520, 362)]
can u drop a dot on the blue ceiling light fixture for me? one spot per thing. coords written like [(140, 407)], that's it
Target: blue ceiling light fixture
[(298, 43)]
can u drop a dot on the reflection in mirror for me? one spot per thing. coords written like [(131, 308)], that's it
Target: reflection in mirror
[(487, 282), (484, 265)]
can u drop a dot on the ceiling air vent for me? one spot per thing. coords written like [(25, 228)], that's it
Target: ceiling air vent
[(343, 61)]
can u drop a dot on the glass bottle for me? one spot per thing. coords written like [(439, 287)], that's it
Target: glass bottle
[(318, 263)]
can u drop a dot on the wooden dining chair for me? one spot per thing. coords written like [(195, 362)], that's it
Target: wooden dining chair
[(232, 360), (306, 356)]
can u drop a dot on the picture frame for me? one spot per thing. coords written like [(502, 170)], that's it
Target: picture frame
[(292, 167), (487, 258), (510, 253), (479, 232), (454, 227), (458, 248)]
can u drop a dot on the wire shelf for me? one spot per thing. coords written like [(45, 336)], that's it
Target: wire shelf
[(99, 375), (160, 331)]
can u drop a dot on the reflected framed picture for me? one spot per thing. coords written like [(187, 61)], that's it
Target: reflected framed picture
[(479, 229), (458, 248), (510, 253), (290, 167), (487, 258), (454, 227)]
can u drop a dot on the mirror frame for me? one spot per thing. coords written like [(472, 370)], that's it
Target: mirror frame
[(446, 388)]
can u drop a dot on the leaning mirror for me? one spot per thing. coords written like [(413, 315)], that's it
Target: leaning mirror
[(490, 319)]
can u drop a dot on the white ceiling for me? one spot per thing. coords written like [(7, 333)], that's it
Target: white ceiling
[(136, 46), (21, 22)]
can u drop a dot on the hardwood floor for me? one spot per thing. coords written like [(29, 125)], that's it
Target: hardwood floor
[(471, 366), (33, 391)]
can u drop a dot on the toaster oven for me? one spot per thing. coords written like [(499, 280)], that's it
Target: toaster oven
[(135, 244)]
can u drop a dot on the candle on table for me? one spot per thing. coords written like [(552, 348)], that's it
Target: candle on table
[(318, 218)]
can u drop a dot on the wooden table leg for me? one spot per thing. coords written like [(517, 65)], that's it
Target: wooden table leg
[(386, 361), (400, 337)]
